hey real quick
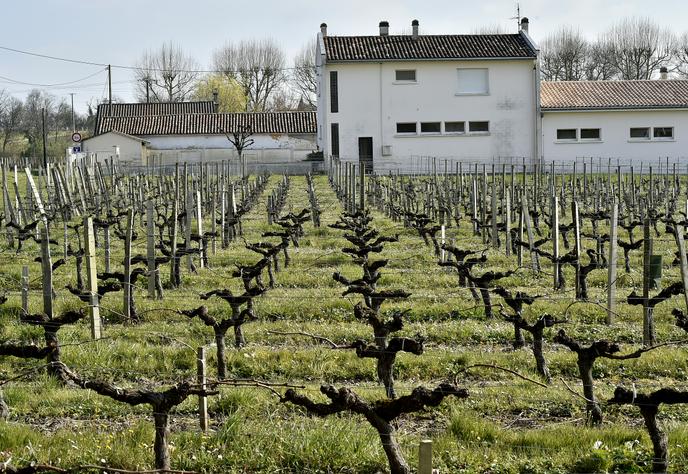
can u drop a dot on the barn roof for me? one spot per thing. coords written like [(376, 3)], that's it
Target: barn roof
[(614, 95), (149, 109), (212, 123)]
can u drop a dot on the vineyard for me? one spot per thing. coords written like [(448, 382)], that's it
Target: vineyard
[(189, 320)]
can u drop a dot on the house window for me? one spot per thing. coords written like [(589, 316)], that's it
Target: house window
[(566, 134), (454, 127), (590, 134), (334, 136), (473, 81), (406, 127), (430, 127), (663, 133), (640, 133), (478, 127), (334, 92), (405, 75)]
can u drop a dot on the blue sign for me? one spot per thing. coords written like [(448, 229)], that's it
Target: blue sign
[(76, 149)]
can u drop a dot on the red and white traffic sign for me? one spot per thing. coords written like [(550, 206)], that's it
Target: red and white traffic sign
[(76, 137)]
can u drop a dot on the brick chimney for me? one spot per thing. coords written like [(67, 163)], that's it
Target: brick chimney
[(414, 27), (323, 29), (384, 28), (524, 24)]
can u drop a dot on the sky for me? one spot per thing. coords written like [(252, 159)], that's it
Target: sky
[(118, 32)]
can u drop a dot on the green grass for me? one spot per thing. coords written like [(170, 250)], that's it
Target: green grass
[(506, 425)]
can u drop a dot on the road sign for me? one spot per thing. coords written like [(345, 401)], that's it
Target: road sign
[(76, 149), (76, 137)]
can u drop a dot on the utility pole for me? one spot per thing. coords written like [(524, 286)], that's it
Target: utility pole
[(109, 85), (73, 123), (45, 152)]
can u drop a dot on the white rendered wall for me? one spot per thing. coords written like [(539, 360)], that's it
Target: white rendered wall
[(615, 131), (371, 103), (261, 141), (130, 150)]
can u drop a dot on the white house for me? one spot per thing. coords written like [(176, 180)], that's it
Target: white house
[(386, 99), (628, 121), (193, 132)]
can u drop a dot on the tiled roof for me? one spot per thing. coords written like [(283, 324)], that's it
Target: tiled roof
[(610, 95), (212, 124), (153, 108), (406, 47)]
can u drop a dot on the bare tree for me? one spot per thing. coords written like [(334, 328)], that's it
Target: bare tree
[(600, 65), (640, 47), (35, 103), (11, 110), (563, 55), (304, 77), (258, 65), (682, 55), (168, 72), (491, 29), (240, 137), (286, 99)]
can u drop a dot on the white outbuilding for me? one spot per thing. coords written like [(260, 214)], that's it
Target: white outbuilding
[(193, 132), (629, 122)]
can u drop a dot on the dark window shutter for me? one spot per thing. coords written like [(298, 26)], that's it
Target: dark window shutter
[(334, 92), (334, 136)]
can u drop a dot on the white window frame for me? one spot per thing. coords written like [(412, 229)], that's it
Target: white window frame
[(566, 140), (406, 81), (472, 93), (438, 132), (405, 134), (589, 140), (444, 127), (640, 139), (663, 139), (471, 132)]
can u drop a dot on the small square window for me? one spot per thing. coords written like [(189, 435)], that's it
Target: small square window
[(454, 127), (663, 133), (430, 127), (406, 127), (406, 75), (589, 133), (566, 134), (640, 133), (478, 126)]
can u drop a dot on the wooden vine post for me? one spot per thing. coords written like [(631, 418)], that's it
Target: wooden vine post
[(555, 240), (25, 289), (648, 323), (611, 268), (127, 265), (47, 270), (681, 244), (150, 247), (91, 277), (202, 383)]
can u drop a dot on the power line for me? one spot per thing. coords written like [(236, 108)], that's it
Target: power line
[(135, 68), (14, 81)]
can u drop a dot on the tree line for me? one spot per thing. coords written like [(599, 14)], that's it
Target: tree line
[(632, 48), (21, 123), (248, 76)]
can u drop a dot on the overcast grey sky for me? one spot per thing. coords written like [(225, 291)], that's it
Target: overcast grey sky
[(117, 32)]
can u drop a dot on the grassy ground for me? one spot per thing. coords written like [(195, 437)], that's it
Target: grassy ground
[(506, 425)]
